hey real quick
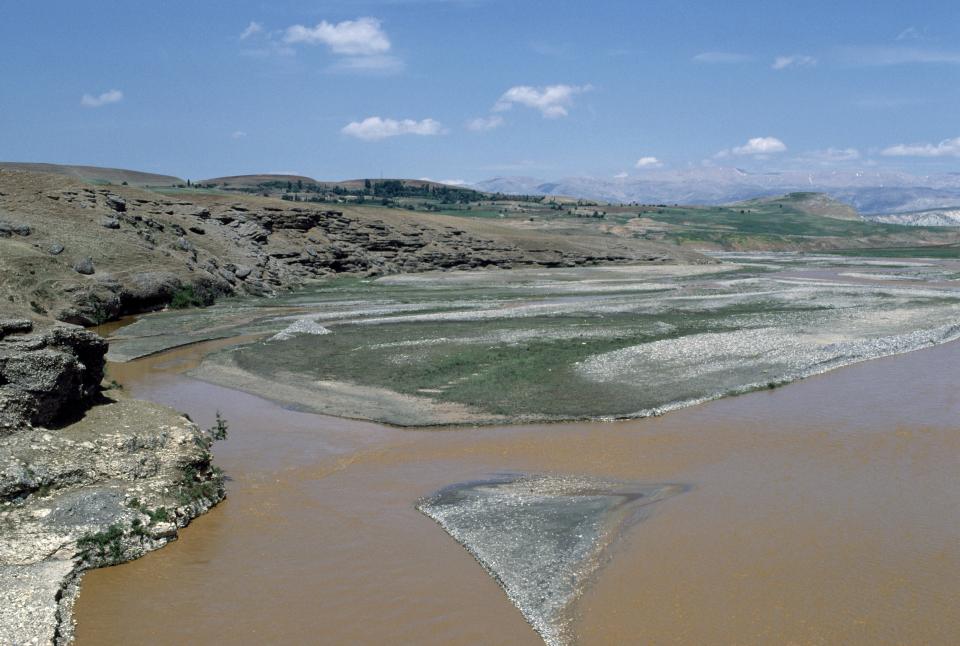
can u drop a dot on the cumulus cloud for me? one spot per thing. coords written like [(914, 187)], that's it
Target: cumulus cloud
[(252, 29), (797, 60), (648, 162), (552, 101), (360, 37), (361, 44), (945, 148), (376, 128), (719, 58), (111, 96), (481, 124), (757, 146)]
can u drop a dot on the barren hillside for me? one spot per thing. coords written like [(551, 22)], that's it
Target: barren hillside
[(88, 253)]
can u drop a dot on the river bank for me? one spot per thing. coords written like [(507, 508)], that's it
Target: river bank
[(821, 512), (88, 476)]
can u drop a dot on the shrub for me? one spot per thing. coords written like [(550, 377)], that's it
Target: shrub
[(192, 487), (195, 295), (105, 545), (184, 298), (219, 430)]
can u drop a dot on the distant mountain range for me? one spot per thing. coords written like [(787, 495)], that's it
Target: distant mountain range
[(932, 218), (929, 200), (870, 191)]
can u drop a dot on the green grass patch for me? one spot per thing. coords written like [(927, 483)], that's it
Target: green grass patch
[(931, 251)]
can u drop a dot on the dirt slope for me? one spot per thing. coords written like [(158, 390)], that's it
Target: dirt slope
[(87, 253), (96, 174)]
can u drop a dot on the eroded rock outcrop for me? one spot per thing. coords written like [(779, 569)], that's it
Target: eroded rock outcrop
[(87, 254), (87, 478), (48, 377)]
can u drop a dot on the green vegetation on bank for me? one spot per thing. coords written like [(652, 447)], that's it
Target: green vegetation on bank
[(197, 295), (929, 251)]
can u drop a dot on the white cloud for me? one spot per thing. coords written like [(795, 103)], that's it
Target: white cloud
[(362, 44), (481, 124), (376, 128), (945, 148), (90, 101), (252, 29), (797, 60), (757, 146), (552, 100), (621, 175), (648, 162), (238, 134), (880, 56), (448, 182), (368, 64), (910, 33), (360, 37), (713, 58)]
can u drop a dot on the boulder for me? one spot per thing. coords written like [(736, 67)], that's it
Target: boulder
[(47, 377), (55, 249), (116, 203), (7, 229), (84, 266), (92, 304), (109, 223), (148, 290)]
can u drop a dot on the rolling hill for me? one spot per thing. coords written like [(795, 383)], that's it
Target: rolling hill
[(96, 174)]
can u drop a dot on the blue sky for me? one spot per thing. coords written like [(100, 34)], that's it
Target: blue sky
[(471, 89)]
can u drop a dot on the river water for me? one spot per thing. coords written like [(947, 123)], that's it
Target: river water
[(823, 512)]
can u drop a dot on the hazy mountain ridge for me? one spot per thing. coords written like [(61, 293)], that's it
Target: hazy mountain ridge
[(931, 218), (870, 192)]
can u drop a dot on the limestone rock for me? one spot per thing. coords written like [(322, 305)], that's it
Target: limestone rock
[(48, 376), (84, 266), (14, 326), (116, 203), (7, 229)]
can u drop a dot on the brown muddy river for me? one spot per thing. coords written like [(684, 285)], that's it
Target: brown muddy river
[(824, 512)]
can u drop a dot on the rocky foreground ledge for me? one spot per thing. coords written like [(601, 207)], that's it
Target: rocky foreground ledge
[(87, 477)]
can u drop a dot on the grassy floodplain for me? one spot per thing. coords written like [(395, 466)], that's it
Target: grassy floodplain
[(523, 345)]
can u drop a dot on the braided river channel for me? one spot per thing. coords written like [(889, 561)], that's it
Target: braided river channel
[(822, 510)]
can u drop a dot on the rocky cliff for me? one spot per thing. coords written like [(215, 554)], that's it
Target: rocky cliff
[(87, 478)]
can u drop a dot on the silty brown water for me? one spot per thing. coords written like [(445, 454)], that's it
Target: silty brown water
[(824, 512)]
